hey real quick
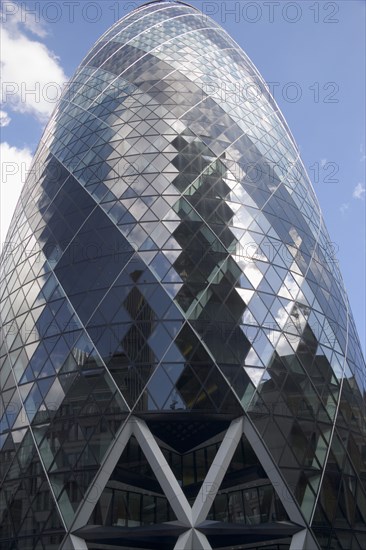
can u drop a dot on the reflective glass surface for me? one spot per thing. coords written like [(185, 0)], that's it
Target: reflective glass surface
[(168, 257)]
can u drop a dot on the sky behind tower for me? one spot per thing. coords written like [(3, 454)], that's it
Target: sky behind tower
[(311, 54)]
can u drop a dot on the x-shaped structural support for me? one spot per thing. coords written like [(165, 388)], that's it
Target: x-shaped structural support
[(190, 517)]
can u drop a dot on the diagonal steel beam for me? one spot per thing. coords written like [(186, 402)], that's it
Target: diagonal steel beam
[(163, 472), (192, 540), (274, 475), (217, 471), (93, 493)]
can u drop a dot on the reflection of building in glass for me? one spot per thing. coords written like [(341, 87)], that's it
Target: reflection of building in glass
[(179, 367)]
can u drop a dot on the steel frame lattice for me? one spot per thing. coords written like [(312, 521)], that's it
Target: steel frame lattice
[(177, 359)]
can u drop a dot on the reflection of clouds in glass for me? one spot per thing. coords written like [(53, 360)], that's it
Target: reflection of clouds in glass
[(255, 375)]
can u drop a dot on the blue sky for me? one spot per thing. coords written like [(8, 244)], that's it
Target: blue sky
[(312, 53)]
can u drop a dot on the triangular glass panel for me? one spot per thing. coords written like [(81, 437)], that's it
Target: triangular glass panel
[(131, 377), (19, 504), (67, 492), (53, 522), (238, 379), (246, 495), (133, 496), (160, 387), (6, 524)]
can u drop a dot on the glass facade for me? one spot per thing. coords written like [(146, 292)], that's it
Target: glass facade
[(179, 367)]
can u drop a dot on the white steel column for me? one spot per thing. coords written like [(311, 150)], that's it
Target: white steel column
[(163, 472), (189, 517), (184, 541), (72, 542), (192, 540), (93, 493), (217, 471), (303, 541)]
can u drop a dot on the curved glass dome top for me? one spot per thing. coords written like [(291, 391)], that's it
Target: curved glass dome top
[(169, 257)]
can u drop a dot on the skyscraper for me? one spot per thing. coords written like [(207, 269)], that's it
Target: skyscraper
[(179, 365)]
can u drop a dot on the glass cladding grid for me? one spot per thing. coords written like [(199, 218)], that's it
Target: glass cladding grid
[(168, 255), (211, 72), (135, 24)]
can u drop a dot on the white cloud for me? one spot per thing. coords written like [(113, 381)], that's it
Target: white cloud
[(359, 191), (14, 15), (4, 119), (31, 73), (14, 165), (344, 207)]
